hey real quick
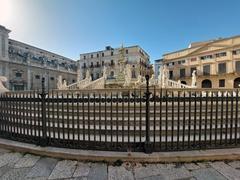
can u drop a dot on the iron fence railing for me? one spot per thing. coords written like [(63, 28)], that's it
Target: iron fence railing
[(147, 119)]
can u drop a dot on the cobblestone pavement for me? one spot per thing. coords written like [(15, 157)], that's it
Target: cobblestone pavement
[(14, 165)]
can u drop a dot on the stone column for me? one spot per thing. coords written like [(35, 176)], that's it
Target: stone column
[(28, 78)]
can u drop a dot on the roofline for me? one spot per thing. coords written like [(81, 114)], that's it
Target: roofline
[(8, 30), (218, 40), (158, 60), (43, 50), (133, 46)]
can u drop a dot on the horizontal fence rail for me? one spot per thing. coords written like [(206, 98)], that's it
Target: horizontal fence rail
[(123, 120)]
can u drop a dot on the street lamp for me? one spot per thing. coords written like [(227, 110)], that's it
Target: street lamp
[(147, 143)]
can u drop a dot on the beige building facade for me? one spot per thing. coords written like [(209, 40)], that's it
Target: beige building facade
[(25, 65), (217, 63), (109, 58)]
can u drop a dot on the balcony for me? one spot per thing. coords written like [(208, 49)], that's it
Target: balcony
[(223, 58), (236, 56)]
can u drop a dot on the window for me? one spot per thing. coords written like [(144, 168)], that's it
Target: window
[(237, 64), (84, 65), (222, 68), (3, 47), (91, 64), (102, 54), (97, 64), (102, 63), (112, 73), (97, 55), (193, 59), (112, 63), (236, 52), (97, 75), (112, 53), (52, 78), (222, 54), (126, 51), (181, 62), (91, 55), (170, 74), (206, 70), (193, 69), (206, 57), (18, 75), (73, 81), (222, 83), (84, 57), (37, 77), (182, 73), (133, 73), (3, 70)]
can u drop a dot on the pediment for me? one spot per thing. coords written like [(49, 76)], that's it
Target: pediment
[(210, 47)]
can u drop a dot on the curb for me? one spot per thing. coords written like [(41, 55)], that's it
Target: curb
[(110, 156)]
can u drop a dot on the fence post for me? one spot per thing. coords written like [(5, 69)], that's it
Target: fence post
[(147, 143), (44, 139)]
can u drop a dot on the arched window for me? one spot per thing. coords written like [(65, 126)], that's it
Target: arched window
[(206, 83), (236, 83), (184, 82), (112, 73), (134, 73)]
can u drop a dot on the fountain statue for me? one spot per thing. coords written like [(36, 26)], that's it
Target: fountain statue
[(128, 75), (164, 76), (59, 82), (2, 87), (194, 79)]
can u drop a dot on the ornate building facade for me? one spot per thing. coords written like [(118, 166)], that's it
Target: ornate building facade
[(217, 63), (25, 65), (111, 59)]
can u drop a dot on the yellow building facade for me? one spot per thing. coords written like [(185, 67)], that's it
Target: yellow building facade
[(217, 63)]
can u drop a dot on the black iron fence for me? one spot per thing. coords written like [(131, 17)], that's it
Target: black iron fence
[(124, 119)]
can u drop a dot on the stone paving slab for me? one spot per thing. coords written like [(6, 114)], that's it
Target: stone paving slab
[(9, 159), (27, 161), (82, 169), (42, 168), (63, 169), (226, 170), (119, 173), (191, 166), (234, 164), (98, 171), (18, 167), (15, 174), (207, 174)]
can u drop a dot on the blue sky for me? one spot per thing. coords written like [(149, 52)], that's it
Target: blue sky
[(71, 27)]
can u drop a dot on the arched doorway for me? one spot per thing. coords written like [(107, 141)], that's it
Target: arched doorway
[(236, 83), (184, 82), (206, 83)]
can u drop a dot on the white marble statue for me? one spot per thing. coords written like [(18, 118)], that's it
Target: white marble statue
[(64, 85), (59, 82), (78, 75), (194, 79), (128, 75), (152, 80), (164, 76), (88, 76), (105, 72), (159, 79), (2, 87), (139, 81)]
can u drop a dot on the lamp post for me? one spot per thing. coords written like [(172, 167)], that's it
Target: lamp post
[(147, 143)]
